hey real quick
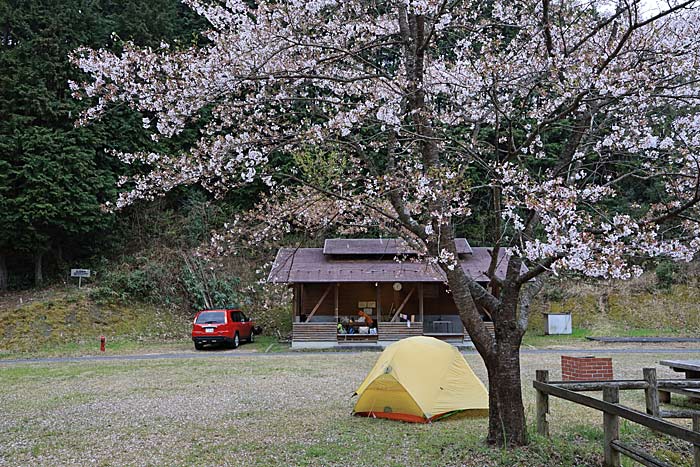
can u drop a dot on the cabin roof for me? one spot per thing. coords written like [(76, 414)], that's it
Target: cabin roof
[(380, 246), (303, 265)]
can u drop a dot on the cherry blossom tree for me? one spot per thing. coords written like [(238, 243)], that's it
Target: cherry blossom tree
[(396, 114)]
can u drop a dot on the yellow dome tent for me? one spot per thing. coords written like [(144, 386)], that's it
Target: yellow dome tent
[(421, 379)]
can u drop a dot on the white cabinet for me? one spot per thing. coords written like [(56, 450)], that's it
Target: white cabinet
[(557, 323)]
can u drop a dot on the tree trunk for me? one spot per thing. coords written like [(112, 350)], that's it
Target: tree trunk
[(3, 273), (501, 355), (38, 274), (507, 425), (60, 261)]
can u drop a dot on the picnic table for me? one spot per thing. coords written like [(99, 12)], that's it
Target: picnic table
[(442, 326), (691, 368)]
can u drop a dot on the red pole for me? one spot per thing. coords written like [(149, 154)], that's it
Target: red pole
[(102, 343)]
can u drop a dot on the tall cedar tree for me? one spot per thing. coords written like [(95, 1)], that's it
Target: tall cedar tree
[(54, 177)]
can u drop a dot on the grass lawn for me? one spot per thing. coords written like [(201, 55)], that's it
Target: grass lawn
[(539, 340), (535, 338), (274, 411)]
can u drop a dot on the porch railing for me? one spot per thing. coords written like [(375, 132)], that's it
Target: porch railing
[(314, 332), (398, 331), (328, 332)]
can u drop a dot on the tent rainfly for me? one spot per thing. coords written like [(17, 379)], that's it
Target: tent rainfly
[(421, 379)]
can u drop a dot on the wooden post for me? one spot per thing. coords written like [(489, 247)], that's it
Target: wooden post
[(295, 302), (651, 393), (542, 401), (378, 298), (420, 302), (696, 447), (301, 300), (335, 304), (611, 429)]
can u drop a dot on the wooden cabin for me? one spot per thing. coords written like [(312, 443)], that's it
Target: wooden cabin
[(401, 294)]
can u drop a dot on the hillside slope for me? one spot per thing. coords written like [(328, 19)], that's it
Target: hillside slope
[(57, 317), (68, 320), (607, 308)]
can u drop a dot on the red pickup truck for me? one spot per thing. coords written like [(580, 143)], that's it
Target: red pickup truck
[(222, 327)]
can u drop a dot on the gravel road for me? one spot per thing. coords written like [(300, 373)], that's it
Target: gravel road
[(243, 353)]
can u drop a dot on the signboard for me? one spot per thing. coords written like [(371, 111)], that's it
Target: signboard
[(80, 273)]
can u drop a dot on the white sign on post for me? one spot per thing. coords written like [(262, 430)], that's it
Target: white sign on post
[(80, 273)]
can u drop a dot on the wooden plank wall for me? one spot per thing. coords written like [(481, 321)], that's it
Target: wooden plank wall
[(397, 331), (314, 332), (437, 301), (312, 294), (350, 294), (392, 299)]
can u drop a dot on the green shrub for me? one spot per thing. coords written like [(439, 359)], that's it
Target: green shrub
[(145, 279), (206, 290), (667, 274)]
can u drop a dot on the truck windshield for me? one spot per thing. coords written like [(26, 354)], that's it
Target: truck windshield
[(211, 317)]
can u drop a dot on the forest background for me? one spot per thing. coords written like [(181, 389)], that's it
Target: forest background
[(55, 178)]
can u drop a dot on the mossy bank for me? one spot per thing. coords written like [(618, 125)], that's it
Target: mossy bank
[(61, 317), (607, 308)]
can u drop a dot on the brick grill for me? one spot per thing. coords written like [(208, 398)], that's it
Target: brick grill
[(586, 368)]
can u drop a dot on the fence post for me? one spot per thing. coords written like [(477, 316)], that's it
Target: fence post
[(542, 404), (651, 393), (611, 428), (696, 447)]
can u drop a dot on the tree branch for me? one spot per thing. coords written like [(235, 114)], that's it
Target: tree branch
[(526, 297)]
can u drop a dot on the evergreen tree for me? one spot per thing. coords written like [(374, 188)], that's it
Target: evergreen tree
[(53, 176)]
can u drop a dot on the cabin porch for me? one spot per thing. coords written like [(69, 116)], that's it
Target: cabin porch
[(326, 314)]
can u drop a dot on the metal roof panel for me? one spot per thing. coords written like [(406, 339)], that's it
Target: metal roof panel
[(296, 265), (380, 246)]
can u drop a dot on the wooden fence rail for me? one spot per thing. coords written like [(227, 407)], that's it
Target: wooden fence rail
[(612, 411)]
